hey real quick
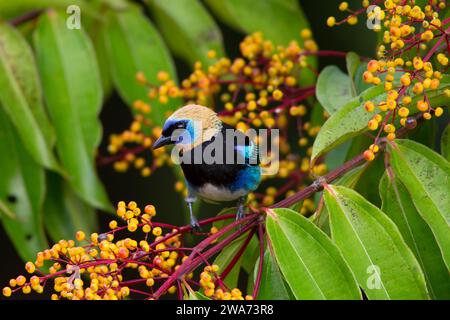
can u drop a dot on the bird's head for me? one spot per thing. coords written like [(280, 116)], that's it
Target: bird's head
[(189, 126)]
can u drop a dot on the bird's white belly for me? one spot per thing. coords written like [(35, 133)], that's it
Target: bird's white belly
[(215, 193)]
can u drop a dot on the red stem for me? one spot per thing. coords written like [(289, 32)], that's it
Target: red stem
[(192, 263), (261, 262)]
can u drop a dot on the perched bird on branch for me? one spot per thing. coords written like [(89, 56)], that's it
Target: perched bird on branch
[(219, 162)]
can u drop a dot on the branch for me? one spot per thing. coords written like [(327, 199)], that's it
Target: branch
[(25, 18)]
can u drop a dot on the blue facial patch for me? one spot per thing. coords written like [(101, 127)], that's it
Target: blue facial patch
[(187, 136)]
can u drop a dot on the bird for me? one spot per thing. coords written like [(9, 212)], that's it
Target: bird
[(195, 129)]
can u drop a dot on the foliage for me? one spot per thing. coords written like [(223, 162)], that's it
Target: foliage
[(316, 229)]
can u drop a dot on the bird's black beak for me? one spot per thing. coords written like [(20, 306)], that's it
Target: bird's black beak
[(161, 142)]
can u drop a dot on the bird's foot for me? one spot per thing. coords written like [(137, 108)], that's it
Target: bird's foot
[(195, 225), (241, 211), (240, 214)]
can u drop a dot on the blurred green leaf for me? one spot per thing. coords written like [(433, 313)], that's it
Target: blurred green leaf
[(195, 295), (398, 205), (73, 93), (311, 264), (445, 143), (95, 29), (188, 29), (103, 65), (21, 96), (64, 212), (333, 89), (426, 176), (279, 21), (13, 9), (133, 45), (352, 62), (273, 286), (373, 247), (360, 85), (22, 189)]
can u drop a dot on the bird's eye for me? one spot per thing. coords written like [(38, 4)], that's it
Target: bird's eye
[(180, 138)]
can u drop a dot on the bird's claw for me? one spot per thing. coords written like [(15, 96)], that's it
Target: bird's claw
[(194, 224), (241, 211), (240, 214)]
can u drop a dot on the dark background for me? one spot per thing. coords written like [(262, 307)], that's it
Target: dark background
[(158, 188)]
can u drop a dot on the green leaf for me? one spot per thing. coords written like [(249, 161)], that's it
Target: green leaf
[(333, 89), (188, 29), (12, 9), (360, 85), (133, 45), (350, 179), (21, 96), (398, 205), (373, 247), (445, 143), (273, 285), (311, 264), (22, 189), (95, 28), (226, 256), (348, 122), (64, 212), (196, 295), (426, 176), (277, 21), (73, 93), (352, 62)]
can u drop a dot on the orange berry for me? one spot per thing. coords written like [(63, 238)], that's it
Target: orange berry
[(422, 105), (369, 155), (372, 66), (373, 124)]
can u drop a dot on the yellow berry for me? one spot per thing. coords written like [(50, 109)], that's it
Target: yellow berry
[(7, 291), (150, 210), (157, 231), (373, 124), (422, 105), (277, 94), (30, 267), (343, 6), (403, 112), (80, 235), (369, 106), (368, 155), (331, 21), (113, 224), (438, 111)]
